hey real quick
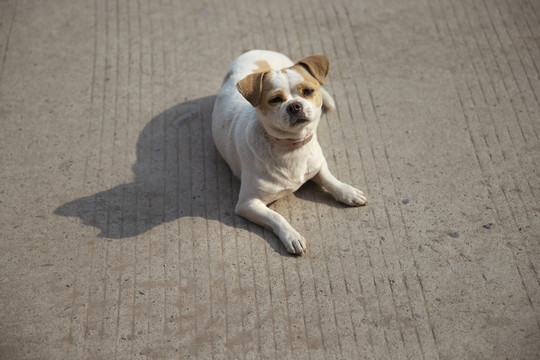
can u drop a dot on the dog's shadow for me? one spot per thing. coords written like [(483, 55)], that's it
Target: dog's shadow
[(178, 173)]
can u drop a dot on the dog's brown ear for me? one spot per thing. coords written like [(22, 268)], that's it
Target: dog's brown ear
[(317, 65), (251, 88)]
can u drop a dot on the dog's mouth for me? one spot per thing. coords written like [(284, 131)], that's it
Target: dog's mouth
[(298, 120)]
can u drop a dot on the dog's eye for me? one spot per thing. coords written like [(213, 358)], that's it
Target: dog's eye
[(276, 100), (307, 92)]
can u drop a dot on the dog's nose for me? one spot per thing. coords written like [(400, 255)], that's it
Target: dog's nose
[(294, 108)]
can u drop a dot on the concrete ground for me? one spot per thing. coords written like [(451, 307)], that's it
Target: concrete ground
[(118, 237)]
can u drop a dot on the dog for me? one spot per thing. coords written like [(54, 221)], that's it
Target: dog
[(264, 124)]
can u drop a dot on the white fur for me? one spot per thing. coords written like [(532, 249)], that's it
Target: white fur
[(269, 171)]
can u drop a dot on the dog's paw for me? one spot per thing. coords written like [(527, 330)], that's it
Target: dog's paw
[(350, 195), (294, 243)]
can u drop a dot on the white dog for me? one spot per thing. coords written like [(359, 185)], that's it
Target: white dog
[(264, 125)]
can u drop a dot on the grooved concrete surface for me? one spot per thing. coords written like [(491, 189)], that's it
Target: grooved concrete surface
[(118, 238)]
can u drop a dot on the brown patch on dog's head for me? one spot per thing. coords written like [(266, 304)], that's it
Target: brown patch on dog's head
[(317, 66), (262, 66)]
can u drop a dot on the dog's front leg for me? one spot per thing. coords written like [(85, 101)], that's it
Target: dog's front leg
[(256, 211), (340, 191)]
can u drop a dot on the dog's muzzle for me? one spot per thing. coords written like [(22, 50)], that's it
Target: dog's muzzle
[(296, 113)]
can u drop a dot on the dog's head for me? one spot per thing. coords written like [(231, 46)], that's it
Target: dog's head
[(289, 99)]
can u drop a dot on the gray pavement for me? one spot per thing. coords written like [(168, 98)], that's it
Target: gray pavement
[(118, 237)]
